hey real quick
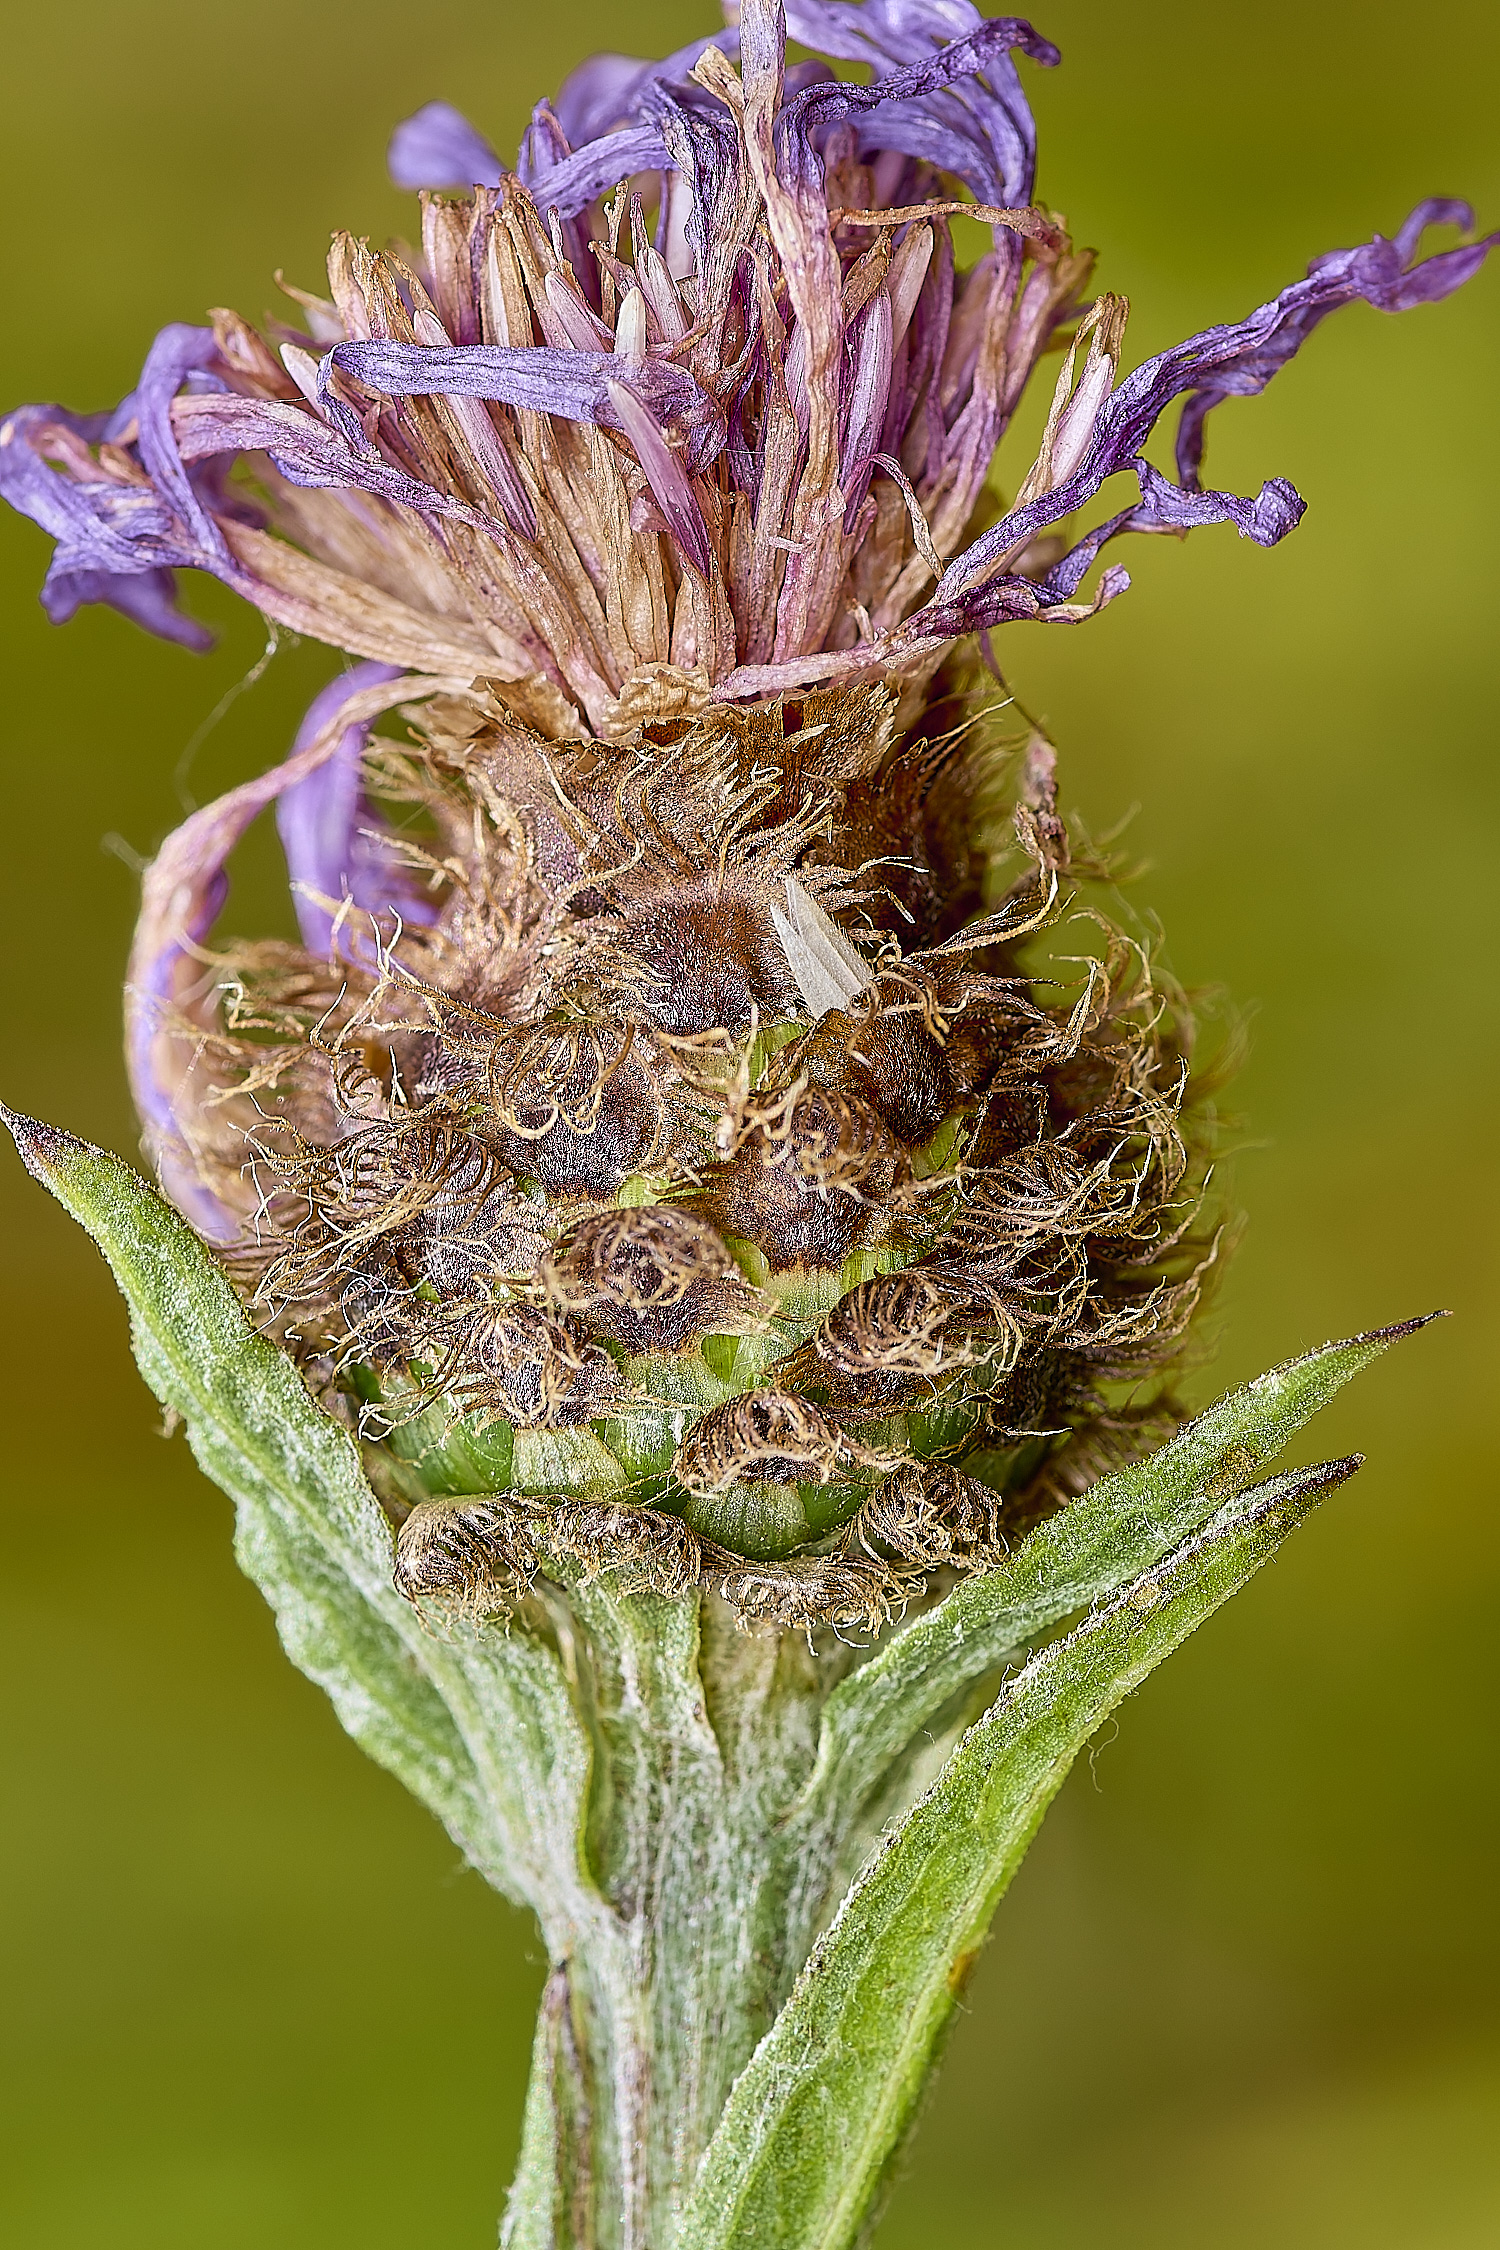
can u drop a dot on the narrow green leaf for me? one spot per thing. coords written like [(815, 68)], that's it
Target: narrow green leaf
[(815, 2118), (1080, 1556), (480, 1727)]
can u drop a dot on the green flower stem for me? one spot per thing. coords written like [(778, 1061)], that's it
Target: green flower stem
[(724, 2054), (703, 1738)]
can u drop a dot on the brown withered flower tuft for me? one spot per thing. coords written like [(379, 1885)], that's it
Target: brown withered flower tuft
[(700, 1110)]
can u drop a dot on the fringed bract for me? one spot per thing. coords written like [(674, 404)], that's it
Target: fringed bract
[(566, 1188)]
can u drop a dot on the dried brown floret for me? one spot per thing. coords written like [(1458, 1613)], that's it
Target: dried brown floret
[(515, 1362), (809, 1590), (930, 1513), (474, 1553), (894, 1339)]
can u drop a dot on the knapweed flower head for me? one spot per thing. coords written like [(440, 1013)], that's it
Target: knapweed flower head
[(668, 1119)]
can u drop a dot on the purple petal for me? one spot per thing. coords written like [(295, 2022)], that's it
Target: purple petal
[(703, 146), (580, 179), (307, 451), (1435, 211), (599, 95), (883, 33), (439, 148), (149, 598), (336, 845), (543, 144), (1277, 509), (984, 134), (1246, 357), (114, 543), (665, 475), (606, 90), (177, 352), (1237, 359), (577, 385), (118, 543)]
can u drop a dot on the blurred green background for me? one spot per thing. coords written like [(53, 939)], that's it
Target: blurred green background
[(1243, 1993)]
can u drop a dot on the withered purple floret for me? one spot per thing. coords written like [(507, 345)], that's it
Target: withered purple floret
[(1233, 360), (944, 95)]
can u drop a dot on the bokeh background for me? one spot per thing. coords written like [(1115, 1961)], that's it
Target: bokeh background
[(1243, 1992)]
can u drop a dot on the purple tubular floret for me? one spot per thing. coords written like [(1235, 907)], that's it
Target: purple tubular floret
[(177, 353), (569, 186), (984, 134), (605, 91), (114, 544), (148, 598), (988, 142), (308, 452), (577, 385), (1380, 271)]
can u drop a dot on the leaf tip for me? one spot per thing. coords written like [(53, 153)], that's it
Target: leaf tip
[(1400, 1328), (1281, 1503), (39, 1146), (1323, 1476)]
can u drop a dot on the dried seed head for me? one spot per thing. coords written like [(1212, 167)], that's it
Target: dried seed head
[(682, 1091), (559, 1196)]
